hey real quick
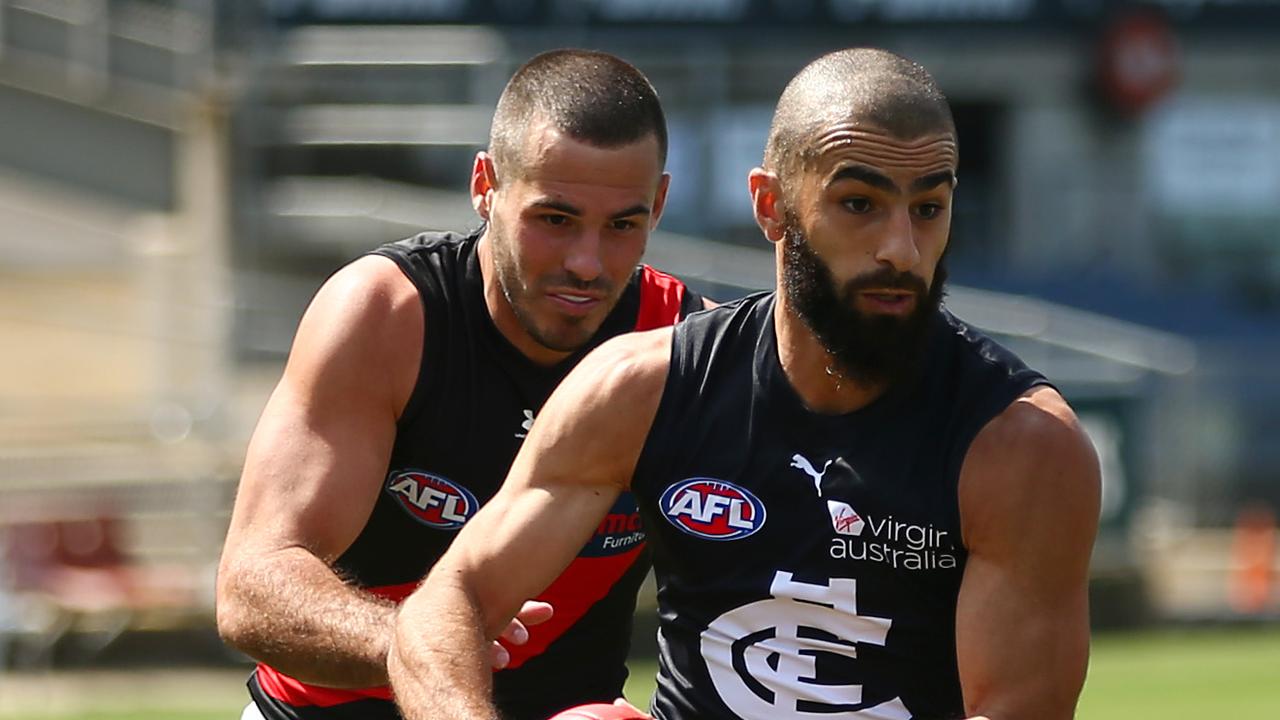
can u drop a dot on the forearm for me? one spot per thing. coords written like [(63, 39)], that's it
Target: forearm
[(1021, 656), (438, 662), (1048, 692), (290, 610)]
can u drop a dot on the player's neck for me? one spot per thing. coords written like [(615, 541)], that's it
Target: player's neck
[(813, 372), (504, 318)]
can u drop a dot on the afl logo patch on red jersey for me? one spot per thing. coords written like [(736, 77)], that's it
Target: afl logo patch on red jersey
[(431, 499), (712, 509)]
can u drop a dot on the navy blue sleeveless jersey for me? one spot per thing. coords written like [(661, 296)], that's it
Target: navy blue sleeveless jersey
[(808, 565), (474, 401)]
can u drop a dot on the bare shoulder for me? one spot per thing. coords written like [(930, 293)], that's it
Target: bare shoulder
[(595, 423), (365, 324), (627, 372), (1029, 495), (1033, 458), (372, 295), (321, 445), (633, 360), (1038, 422)]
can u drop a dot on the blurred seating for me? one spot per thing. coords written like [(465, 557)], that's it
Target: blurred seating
[(73, 576)]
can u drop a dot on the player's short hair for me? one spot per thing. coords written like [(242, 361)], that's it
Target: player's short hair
[(591, 96), (874, 86)]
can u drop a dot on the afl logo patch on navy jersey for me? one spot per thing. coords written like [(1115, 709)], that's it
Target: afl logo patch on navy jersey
[(712, 509), (431, 499)]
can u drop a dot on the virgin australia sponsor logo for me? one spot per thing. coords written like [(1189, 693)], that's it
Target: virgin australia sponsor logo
[(888, 540), (884, 539), (844, 519)]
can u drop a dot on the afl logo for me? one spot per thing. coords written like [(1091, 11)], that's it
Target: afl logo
[(712, 509), (431, 499)]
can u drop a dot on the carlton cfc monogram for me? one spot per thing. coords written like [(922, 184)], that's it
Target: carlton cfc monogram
[(765, 658)]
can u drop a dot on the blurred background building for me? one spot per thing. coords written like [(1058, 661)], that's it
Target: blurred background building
[(177, 178)]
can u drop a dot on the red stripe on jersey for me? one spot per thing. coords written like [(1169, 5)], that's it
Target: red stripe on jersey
[(299, 694), (581, 585), (394, 593), (660, 298)]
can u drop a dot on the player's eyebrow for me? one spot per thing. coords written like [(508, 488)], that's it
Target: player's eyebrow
[(933, 180), (633, 210), (877, 179), (867, 175), (564, 207), (567, 209)]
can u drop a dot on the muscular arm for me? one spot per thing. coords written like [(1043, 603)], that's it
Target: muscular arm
[(1029, 498), (578, 457), (311, 476)]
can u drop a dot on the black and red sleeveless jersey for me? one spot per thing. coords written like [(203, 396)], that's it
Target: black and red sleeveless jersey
[(475, 400), (808, 565)]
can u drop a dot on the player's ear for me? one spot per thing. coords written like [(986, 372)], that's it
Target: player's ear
[(659, 200), (484, 181), (766, 202)]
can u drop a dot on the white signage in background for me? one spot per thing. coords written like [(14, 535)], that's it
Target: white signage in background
[(737, 136), (924, 10), (1210, 156), (685, 159), (1108, 441)]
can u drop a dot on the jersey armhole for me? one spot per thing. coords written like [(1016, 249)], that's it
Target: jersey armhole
[(418, 396), (657, 438), (1020, 383), (662, 299)]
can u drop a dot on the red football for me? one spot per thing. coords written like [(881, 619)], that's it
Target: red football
[(599, 711)]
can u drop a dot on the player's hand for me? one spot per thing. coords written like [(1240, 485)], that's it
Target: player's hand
[(531, 613)]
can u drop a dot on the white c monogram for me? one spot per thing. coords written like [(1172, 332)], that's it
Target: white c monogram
[(763, 665)]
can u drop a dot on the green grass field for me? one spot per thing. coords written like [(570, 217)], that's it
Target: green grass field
[(1217, 674), (1201, 674), (1175, 675)]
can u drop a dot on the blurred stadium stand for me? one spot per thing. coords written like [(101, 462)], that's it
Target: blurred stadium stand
[(177, 177)]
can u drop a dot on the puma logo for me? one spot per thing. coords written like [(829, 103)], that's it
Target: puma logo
[(527, 425), (802, 463)]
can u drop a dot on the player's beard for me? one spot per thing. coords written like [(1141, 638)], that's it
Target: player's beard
[(569, 333), (870, 349)]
